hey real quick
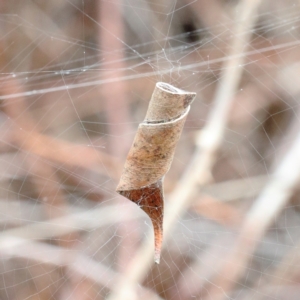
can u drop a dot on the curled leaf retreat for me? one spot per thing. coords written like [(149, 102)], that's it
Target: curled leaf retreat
[(151, 154)]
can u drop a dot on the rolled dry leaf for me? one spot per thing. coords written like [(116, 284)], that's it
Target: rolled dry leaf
[(151, 154)]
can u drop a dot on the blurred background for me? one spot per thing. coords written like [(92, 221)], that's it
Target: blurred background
[(76, 79)]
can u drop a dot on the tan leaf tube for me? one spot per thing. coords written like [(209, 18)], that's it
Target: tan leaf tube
[(152, 151)]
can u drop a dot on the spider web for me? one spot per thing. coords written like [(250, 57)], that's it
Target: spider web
[(76, 78)]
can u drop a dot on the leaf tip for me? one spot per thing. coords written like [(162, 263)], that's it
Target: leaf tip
[(157, 258)]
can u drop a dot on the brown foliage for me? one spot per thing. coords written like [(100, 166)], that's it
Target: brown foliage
[(152, 152)]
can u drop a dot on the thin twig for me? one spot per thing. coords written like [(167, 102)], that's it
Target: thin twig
[(82, 221), (267, 206), (231, 190), (54, 255)]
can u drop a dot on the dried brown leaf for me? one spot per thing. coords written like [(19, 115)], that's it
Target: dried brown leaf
[(152, 152)]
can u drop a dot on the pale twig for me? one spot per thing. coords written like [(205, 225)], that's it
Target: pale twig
[(78, 263), (207, 144), (82, 221), (217, 211), (236, 189), (285, 275), (267, 206)]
